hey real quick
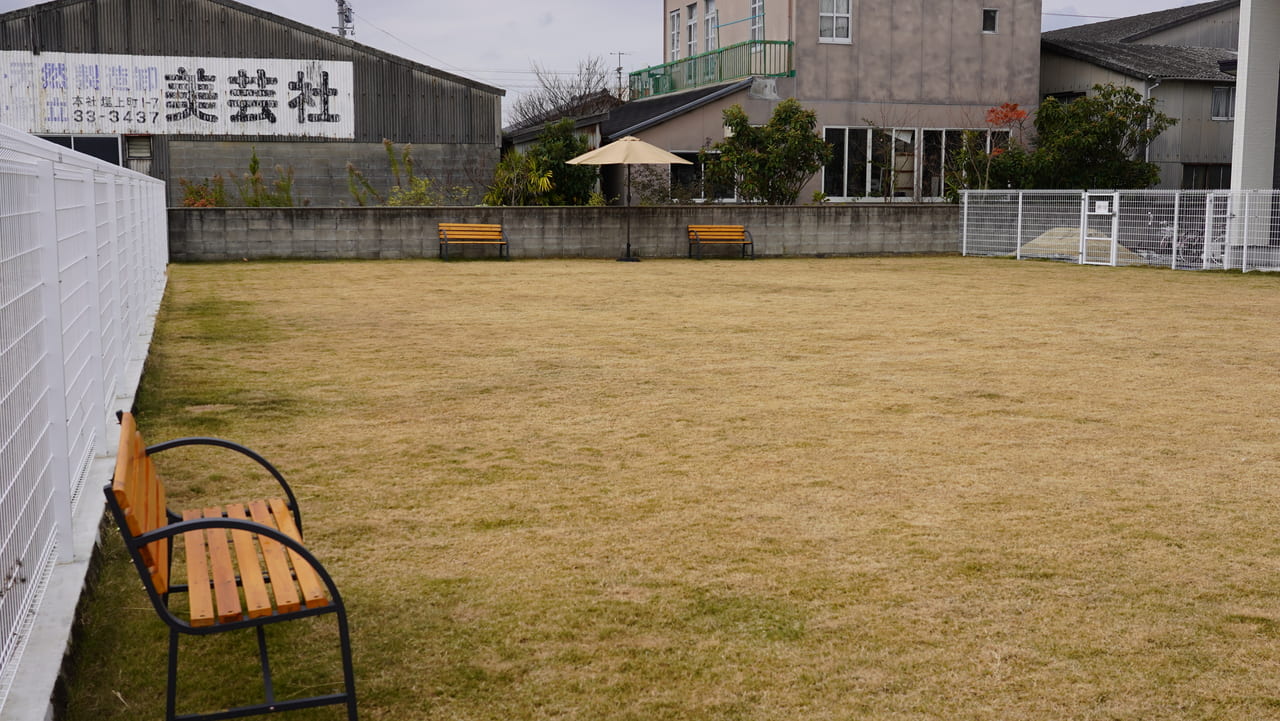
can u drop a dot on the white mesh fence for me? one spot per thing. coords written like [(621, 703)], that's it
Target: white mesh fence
[(83, 250), (1184, 230)]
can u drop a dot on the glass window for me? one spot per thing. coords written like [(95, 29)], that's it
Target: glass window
[(990, 23), (757, 19), (1224, 103), (833, 173), (102, 147), (675, 36), (1210, 176), (692, 36), (712, 21), (858, 162), (932, 165), (834, 20), (904, 163)]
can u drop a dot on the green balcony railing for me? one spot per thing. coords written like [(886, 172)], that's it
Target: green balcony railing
[(769, 58)]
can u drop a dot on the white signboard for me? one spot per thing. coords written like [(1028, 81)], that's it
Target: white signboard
[(74, 93)]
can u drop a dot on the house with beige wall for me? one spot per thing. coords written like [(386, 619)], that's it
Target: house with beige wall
[(1176, 56), (893, 84)]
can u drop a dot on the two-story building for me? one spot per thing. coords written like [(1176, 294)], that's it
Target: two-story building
[(1175, 56), (893, 84)]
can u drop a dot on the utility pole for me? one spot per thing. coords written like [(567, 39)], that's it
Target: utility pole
[(619, 70), (345, 21)]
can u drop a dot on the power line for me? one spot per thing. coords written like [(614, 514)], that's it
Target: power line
[(408, 44)]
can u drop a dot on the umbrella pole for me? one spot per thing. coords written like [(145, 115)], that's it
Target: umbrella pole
[(627, 209)]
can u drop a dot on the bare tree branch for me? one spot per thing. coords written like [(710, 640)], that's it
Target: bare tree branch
[(585, 93)]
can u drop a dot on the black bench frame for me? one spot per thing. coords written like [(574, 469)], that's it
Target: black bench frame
[(160, 601)]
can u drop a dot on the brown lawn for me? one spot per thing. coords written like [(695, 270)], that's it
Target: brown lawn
[(907, 488)]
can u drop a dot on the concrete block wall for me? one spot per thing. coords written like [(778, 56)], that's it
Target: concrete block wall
[(210, 234), (320, 169)]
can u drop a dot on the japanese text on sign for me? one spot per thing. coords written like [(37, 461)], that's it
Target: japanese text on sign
[(55, 93)]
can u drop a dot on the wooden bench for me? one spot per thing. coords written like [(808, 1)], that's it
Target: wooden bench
[(700, 235), (472, 234), (238, 565)]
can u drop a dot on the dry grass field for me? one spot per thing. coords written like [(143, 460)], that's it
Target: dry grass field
[(900, 488)]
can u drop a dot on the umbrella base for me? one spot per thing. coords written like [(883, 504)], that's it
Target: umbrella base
[(628, 259)]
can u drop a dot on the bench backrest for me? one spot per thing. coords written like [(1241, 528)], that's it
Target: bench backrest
[(470, 231), (717, 232), (139, 496)]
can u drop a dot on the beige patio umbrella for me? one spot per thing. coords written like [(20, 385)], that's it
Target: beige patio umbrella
[(628, 151)]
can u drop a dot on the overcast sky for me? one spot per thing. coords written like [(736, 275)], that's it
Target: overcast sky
[(495, 42)]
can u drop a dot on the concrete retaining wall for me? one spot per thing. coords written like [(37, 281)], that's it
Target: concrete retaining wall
[(320, 169), (655, 232)]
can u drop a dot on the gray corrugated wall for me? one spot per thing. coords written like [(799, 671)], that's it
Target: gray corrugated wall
[(394, 98)]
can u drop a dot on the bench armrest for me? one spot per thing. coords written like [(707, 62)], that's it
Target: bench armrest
[(220, 443)]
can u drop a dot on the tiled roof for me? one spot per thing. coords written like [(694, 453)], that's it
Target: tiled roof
[(1114, 44), (1135, 28), (1162, 62)]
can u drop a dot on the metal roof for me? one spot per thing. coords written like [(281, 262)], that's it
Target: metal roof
[(56, 5)]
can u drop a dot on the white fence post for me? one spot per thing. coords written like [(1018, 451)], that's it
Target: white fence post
[(1017, 253), (58, 474)]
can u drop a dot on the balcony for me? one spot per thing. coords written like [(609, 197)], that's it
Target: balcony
[(768, 58)]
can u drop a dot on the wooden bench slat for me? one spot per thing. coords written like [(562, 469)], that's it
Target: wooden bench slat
[(700, 235), (256, 600), (282, 586), (472, 234), (131, 487), (313, 591), (123, 480), (159, 518), (225, 590), (199, 596)]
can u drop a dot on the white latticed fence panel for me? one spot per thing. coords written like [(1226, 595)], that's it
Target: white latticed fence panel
[(1184, 230), (82, 267)]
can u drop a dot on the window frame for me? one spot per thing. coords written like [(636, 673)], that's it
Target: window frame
[(835, 16), (711, 21), (994, 14), (755, 28), (862, 160), (691, 29), (1230, 91), (674, 49)]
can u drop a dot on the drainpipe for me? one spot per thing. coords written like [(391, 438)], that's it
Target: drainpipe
[(1146, 95)]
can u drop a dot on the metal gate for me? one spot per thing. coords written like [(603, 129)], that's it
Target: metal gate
[(1099, 228)]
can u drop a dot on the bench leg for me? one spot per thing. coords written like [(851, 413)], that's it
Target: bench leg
[(444, 251), (171, 689), (348, 671)]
